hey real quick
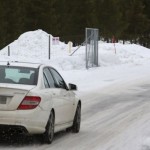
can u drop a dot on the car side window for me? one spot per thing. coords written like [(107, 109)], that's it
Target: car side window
[(48, 77), (59, 82), (46, 82)]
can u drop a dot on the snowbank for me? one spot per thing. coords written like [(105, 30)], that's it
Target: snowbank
[(33, 46)]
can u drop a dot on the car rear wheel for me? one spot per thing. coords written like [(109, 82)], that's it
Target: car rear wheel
[(49, 133), (77, 120)]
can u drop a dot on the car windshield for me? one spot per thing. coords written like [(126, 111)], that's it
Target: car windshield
[(18, 75)]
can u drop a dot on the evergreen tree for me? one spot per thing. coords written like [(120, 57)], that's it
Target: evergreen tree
[(109, 17), (145, 38), (75, 20), (136, 19), (3, 25), (125, 19), (8, 17)]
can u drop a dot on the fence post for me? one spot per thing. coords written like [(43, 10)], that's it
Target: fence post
[(86, 51), (49, 47), (8, 50)]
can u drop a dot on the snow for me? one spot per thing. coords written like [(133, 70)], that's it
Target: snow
[(128, 67)]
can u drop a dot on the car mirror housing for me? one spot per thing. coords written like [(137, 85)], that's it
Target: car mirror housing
[(72, 86)]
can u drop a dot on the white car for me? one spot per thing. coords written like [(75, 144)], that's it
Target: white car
[(35, 99)]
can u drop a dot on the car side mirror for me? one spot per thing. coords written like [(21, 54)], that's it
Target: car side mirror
[(72, 86)]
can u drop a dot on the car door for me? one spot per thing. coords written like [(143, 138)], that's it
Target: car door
[(64, 94), (57, 100)]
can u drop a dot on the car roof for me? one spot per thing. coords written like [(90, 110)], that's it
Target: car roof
[(20, 64)]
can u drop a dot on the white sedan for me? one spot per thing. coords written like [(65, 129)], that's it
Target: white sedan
[(35, 99)]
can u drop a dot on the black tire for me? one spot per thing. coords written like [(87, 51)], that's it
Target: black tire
[(77, 120), (49, 133)]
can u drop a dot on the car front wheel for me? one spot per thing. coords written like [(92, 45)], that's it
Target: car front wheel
[(77, 120)]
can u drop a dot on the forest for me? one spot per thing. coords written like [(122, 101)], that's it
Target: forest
[(126, 20)]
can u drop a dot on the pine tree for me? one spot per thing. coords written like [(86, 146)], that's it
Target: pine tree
[(109, 17), (145, 39), (8, 26), (125, 19), (75, 20), (3, 25), (136, 19)]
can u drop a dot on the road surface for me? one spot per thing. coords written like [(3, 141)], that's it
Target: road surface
[(113, 118)]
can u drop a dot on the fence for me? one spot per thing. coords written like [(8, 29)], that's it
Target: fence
[(91, 47)]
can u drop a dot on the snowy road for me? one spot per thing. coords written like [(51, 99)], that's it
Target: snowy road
[(112, 119)]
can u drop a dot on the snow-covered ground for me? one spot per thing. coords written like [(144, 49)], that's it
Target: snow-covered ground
[(128, 67), (124, 65)]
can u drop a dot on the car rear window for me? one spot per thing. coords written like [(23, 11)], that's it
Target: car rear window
[(18, 75)]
